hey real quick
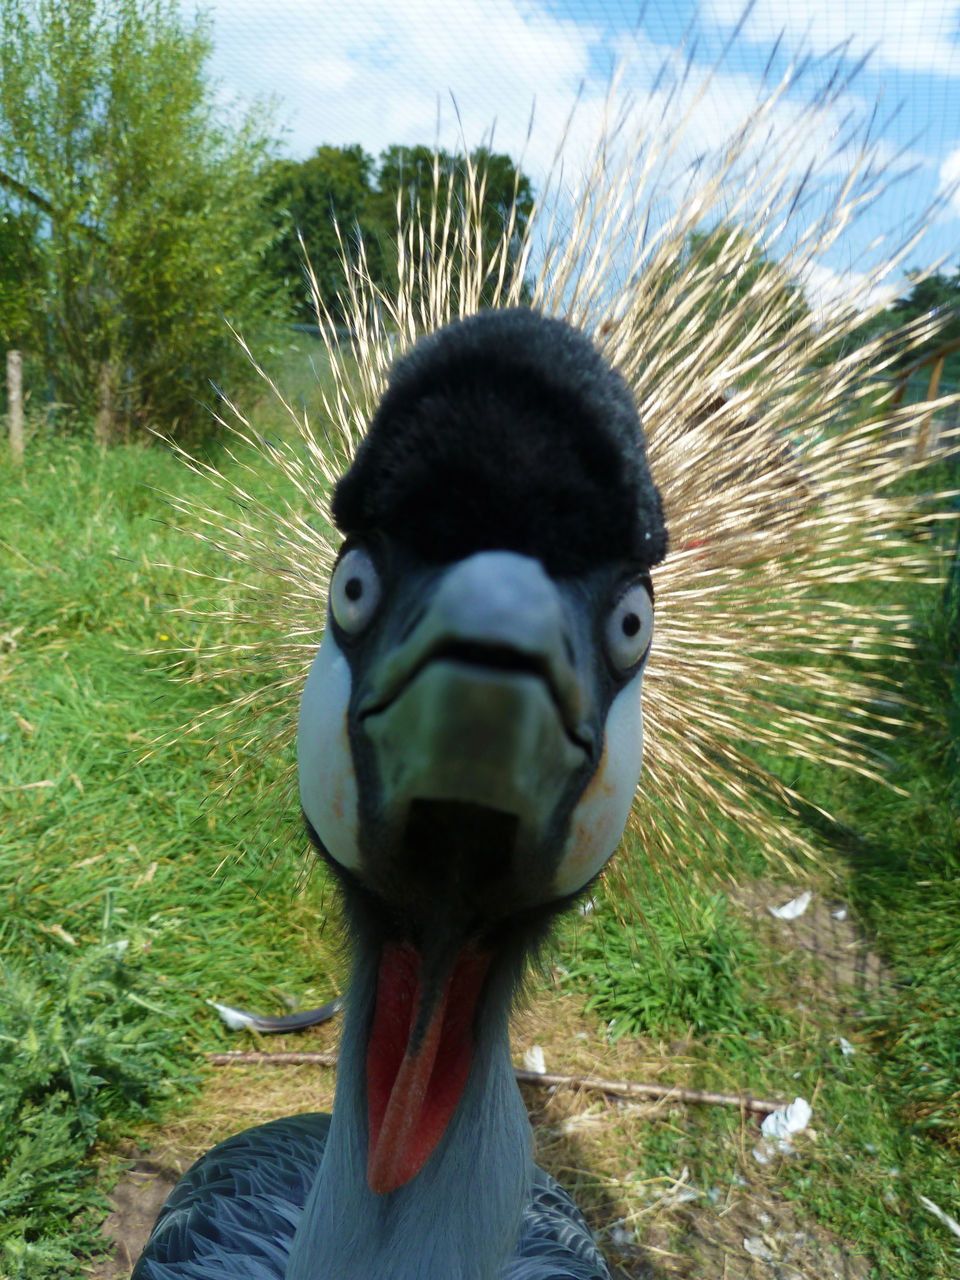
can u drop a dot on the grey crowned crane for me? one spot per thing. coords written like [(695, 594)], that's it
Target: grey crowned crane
[(469, 734), (469, 744)]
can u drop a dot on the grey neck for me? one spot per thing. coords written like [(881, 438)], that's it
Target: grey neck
[(459, 1218)]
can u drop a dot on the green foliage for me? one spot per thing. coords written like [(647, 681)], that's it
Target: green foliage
[(691, 966), (340, 197), (333, 190), (71, 1027), (134, 208), (951, 622), (19, 274), (102, 848), (936, 295), (760, 287), (79, 1046)]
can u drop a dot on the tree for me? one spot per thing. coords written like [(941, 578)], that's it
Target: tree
[(341, 195), (711, 296), (139, 209), (327, 199), (746, 280), (419, 178), (19, 275), (933, 295)]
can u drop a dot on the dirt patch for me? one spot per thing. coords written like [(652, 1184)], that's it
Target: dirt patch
[(137, 1199), (845, 964), (745, 1238)]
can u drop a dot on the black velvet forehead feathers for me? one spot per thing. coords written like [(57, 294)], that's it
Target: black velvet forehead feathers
[(507, 430)]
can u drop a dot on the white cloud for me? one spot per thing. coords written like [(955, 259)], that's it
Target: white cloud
[(825, 289), (911, 35), (950, 179), (379, 71)]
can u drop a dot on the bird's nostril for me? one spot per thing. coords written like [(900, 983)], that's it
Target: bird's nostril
[(495, 656)]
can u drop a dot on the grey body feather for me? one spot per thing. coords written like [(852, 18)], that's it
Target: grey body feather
[(213, 1224)]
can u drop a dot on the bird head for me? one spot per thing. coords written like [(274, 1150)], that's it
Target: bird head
[(470, 734)]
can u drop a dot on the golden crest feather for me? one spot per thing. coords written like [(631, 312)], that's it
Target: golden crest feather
[(773, 434)]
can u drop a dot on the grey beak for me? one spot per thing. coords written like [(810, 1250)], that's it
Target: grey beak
[(482, 702)]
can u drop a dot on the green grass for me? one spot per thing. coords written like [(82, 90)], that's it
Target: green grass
[(694, 968), (124, 906)]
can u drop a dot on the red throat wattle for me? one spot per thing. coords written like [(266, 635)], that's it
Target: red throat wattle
[(411, 1095)]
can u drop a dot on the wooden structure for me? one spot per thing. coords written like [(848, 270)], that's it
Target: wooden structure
[(15, 403), (935, 361)]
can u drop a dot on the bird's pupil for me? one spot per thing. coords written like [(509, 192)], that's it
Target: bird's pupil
[(631, 624), (353, 589)]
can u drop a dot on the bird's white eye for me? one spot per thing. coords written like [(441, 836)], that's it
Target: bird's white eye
[(629, 628), (354, 591)]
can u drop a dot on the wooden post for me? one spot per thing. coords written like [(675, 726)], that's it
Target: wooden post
[(103, 425), (922, 443), (15, 403)]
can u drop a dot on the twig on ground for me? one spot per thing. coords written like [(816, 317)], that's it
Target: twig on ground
[(253, 1057), (619, 1088), (635, 1089)]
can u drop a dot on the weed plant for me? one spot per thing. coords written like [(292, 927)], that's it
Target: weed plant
[(82, 1048)]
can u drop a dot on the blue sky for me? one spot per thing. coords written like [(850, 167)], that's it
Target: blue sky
[(383, 71)]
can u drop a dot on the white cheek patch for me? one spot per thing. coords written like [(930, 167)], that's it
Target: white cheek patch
[(602, 811), (328, 786)]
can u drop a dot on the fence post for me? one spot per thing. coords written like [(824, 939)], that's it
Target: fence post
[(15, 403), (922, 440), (103, 421)]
